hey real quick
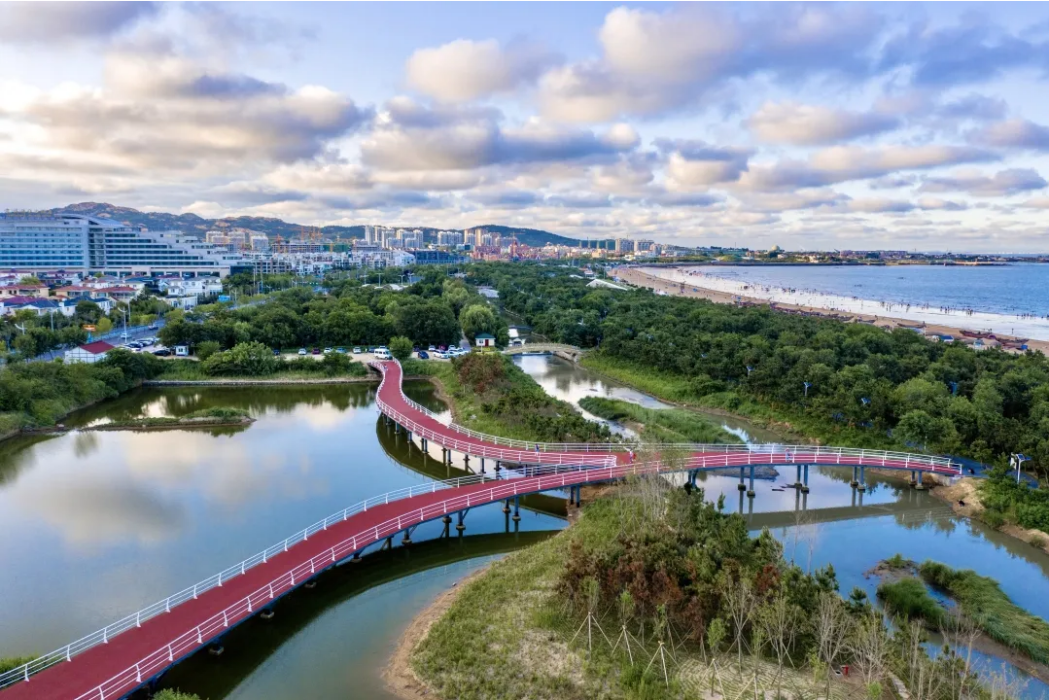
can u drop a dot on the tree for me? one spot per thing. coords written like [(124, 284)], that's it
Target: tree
[(207, 349), (247, 359), (869, 646), (103, 326), (476, 319), (400, 347), (833, 625)]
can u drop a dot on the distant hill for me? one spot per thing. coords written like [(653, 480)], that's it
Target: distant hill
[(198, 226)]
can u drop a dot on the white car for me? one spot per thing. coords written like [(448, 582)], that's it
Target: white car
[(382, 354), (439, 354), (302, 351)]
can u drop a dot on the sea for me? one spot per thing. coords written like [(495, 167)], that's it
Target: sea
[(1010, 299)]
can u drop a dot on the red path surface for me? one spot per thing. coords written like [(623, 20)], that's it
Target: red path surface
[(114, 669)]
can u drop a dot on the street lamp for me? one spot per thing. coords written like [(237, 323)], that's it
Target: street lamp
[(1016, 460)]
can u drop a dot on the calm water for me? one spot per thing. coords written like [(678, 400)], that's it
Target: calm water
[(1009, 289), (100, 524)]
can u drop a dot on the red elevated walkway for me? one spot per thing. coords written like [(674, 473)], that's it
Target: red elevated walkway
[(110, 665)]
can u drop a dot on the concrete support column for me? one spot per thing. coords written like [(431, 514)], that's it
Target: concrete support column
[(914, 478), (517, 509), (461, 525), (863, 480), (920, 486), (855, 482), (482, 465), (797, 481), (750, 491), (506, 506), (805, 479), (742, 486)]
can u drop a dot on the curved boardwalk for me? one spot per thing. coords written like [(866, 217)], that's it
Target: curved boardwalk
[(116, 665)]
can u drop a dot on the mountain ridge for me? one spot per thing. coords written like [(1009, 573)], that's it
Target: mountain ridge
[(197, 225)]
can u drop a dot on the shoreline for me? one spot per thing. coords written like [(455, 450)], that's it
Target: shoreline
[(398, 675), (640, 278)]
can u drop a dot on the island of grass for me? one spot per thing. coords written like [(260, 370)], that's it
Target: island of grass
[(488, 393), (672, 425), (653, 593), (205, 418), (980, 604)]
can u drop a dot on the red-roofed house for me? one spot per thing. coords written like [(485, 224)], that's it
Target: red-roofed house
[(92, 352)]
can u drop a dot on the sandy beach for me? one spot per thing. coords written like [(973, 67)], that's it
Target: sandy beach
[(680, 281)]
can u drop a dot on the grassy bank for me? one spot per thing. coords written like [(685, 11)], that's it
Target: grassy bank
[(659, 425), (667, 570), (490, 394), (9, 662), (673, 387), (306, 368), (982, 600)]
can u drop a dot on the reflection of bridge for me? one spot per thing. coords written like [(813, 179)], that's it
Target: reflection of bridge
[(112, 662), (569, 352)]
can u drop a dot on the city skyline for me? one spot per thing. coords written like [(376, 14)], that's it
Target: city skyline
[(804, 126)]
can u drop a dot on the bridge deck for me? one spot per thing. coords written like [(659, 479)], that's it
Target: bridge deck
[(115, 668)]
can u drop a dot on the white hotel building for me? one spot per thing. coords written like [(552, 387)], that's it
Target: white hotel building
[(42, 241)]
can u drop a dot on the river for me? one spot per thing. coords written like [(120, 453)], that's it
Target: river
[(98, 524)]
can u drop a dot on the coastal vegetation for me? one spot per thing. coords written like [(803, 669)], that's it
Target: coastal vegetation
[(659, 425), (909, 598), (491, 394), (836, 382), (657, 594), (255, 360), (9, 662), (348, 313), (39, 394)]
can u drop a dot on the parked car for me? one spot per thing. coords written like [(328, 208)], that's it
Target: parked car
[(316, 351), (442, 348), (431, 348), (423, 355), (163, 352), (341, 350), (382, 354), (356, 350), (152, 326), (440, 354), (302, 351), (328, 351), (453, 347), (276, 352)]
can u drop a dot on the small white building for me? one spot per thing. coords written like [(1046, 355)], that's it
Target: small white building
[(90, 353), (484, 340)]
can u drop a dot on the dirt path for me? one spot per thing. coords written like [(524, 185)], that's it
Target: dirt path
[(399, 677), (964, 499)]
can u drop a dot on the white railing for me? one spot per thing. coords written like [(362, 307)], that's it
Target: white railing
[(791, 453), (584, 467), (194, 638)]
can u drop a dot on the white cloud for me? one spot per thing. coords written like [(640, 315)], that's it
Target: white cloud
[(810, 125), (465, 70)]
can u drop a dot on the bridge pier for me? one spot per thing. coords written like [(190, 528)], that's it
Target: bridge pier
[(750, 491), (388, 544), (424, 444), (447, 520), (466, 461), (855, 482), (863, 482), (407, 539), (797, 481), (920, 486), (482, 465), (506, 506), (498, 468), (805, 479), (461, 525), (742, 486), (517, 509)]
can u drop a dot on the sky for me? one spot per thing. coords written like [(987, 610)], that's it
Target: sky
[(808, 126)]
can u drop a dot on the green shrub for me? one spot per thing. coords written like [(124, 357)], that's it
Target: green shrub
[(993, 517), (206, 349), (9, 662)]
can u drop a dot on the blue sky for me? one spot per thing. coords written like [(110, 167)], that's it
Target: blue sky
[(901, 126)]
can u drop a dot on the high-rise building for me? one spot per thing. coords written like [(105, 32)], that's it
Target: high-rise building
[(624, 245), (45, 241)]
